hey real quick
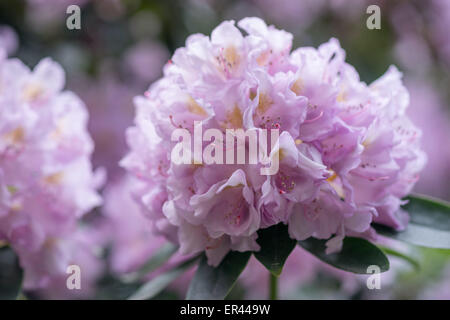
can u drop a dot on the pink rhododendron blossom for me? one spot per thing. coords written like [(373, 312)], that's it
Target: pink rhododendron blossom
[(347, 152), (46, 179)]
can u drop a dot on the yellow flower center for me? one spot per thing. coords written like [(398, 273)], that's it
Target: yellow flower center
[(195, 108), (298, 86)]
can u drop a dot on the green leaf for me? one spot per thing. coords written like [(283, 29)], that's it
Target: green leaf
[(276, 246), (356, 255), (156, 261), (109, 287), (215, 283), (429, 224), (392, 252), (159, 283), (417, 235), (429, 212), (11, 274)]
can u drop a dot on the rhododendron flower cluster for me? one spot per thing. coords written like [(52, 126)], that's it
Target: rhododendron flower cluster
[(46, 179), (347, 152)]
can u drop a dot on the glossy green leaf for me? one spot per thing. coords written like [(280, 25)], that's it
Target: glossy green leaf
[(428, 212), (276, 246), (159, 283), (417, 235), (429, 224), (356, 255), (11, 274), (215, 283)]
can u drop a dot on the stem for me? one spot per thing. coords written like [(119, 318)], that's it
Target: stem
[(273, 287)]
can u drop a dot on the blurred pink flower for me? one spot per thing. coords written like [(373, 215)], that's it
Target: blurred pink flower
[(422, 27), (109, 102), (439, 290), (438, 15), (429, 111), (132, 241), (291, 14), (46, 269), (46, 179), (145, 60), (8, 39), (45, 14), (131, 237)]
